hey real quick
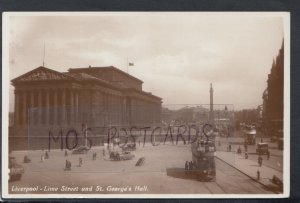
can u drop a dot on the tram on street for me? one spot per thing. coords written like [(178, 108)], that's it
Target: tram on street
[(203, 156), (250, 135)]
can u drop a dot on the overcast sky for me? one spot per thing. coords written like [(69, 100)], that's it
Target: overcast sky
[(177, 55)]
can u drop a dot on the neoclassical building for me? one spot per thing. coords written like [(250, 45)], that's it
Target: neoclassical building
[(97, 96)]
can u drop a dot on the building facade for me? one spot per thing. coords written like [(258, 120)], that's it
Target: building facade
[(95, 96), (273, 99)]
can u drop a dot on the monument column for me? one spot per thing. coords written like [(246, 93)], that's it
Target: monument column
[(211, 112)]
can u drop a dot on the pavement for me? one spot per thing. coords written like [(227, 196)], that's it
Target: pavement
[(250, 167)]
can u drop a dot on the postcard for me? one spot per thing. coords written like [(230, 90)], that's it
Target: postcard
[(146, 105)]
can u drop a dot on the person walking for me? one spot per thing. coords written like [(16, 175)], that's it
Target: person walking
[(46, 155), (186, 167), (260, 161), (246, 155), (80, 161), (191, 167), (258, 174), (268, 154), (246, 147)]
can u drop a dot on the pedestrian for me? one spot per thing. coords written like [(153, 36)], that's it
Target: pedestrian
[(68, 165), (186, 167), (239, 151), (258, 175), (191, 167), (80, 161), (260, 161), (268, 154), (229, 147), (246, 155), (42, 158), (94, 156), (26, 159), (46, 155)]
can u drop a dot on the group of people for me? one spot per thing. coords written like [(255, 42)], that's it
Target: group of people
[(189, 166)]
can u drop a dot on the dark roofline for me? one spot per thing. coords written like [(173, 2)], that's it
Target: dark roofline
[(143, 92), (42, 67), (106, 68)]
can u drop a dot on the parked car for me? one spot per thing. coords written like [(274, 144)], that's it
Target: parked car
[(81, 150), (117, 156), (262, 148), (129, 147), (15, 170)]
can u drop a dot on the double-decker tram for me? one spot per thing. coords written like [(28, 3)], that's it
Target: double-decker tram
[(203, 156)]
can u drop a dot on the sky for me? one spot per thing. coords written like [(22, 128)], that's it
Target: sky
[(177, 55)]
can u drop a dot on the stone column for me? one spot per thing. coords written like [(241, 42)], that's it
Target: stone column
[(63, 107), (47, 110), (24, 116), (108, 109), (55, 107), (17, 112), (76, 107), (72, 108), (40, 109), (31, 111)]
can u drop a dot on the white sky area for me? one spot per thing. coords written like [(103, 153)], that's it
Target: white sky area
[(177, 55)]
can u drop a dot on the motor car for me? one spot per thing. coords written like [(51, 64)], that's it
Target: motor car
[(15, 170), (81, 150), (117, 156), (129, 147), (262, 148)]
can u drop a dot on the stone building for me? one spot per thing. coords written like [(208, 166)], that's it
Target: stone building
[(273, 97), (96, 96)]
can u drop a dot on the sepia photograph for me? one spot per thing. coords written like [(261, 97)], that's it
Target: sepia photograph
[(146, 104)]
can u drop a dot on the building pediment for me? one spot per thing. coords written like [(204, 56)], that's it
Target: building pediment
[(42, 74)]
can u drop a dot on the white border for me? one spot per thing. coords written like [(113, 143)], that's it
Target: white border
[(5, 104)]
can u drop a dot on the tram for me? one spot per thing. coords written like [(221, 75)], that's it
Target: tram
[(203, 156)]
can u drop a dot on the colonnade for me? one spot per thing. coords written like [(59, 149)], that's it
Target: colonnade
[(46, 106)]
